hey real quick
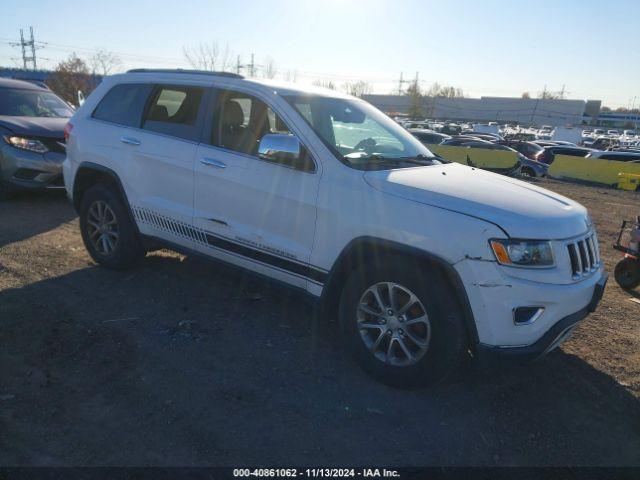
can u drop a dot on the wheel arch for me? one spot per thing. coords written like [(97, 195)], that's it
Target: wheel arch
[(371, 250), (90, 174)]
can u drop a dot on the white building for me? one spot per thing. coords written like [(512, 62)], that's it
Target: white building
[(496, 109)]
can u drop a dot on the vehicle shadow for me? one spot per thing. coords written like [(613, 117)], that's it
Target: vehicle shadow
[(182, 361), (31, 213)]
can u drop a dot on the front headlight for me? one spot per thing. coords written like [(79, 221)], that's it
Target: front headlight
[(523, 253), (26, 144)]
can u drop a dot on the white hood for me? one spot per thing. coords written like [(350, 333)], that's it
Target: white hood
[(521, 209)]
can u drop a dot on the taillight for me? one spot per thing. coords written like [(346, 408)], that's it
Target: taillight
[(67, 130)]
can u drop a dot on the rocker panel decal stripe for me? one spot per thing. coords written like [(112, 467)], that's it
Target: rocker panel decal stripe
[(202, 237)]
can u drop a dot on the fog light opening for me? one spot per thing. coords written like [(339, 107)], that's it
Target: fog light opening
[(526, 315)]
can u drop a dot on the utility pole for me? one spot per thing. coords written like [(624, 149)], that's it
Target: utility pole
[(400, 85), (252, 67), (24, 52), (24, 44), (238, 65)]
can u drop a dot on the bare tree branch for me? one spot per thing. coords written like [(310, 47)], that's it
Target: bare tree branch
[(207, 56), (269, 70), (103, 62)]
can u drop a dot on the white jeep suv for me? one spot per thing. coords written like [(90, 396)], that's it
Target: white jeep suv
[(421, 260)]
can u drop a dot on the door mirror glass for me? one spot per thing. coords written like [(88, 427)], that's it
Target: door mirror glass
[(280, 148)]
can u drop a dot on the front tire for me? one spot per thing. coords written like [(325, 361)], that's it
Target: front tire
[(402, 324), (627, 273), (527, 172), (108, 231)]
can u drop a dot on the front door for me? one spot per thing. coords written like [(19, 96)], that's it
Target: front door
[(254, 213)]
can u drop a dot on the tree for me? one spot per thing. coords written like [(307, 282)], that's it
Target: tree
[(440, 91), (526, 95), (325, 84), (415, 100), (291, 76), (269, 70), (208, 56), (104, 62), (358, 89), (547, 95), (70, 77)]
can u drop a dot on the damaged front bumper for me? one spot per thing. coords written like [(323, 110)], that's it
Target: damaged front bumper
[(555, 336), (495, 296)]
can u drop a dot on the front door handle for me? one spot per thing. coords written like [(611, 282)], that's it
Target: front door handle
[(130, 140), (212, 162)]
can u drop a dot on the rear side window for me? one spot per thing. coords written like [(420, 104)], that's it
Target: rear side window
[(175, 111), (123, 104)]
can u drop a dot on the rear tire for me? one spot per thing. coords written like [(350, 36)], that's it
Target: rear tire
[(108, 231), (444, 335), (627, 273)]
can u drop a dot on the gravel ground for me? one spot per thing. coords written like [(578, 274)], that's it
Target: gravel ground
[(181, 361)]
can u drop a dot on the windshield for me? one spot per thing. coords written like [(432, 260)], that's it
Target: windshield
[(32, 103), (360, 135)]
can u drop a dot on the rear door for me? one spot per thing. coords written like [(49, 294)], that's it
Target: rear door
[(258, 214), (160, 160)]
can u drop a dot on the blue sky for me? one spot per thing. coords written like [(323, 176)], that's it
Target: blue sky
[(487, 47)]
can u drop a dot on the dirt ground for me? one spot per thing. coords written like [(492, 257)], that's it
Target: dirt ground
[(181, 361)]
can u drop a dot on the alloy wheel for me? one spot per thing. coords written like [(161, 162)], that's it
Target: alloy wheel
[(393, 324), (102, 228)]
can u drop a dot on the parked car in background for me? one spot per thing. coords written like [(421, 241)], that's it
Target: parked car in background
[(547, 155), (490, 137), (532, 168), (32, 121), (451, 129), (571, 135), (428, 136), (602, 143), (528, 149), (545, 143), (620, 156), (421, 262)]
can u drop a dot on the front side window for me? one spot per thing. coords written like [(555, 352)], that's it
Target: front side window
[(242, 120), (361, 136), (123, 104), (174, 110), (32, 103)]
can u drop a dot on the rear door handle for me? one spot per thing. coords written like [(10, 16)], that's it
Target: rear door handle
[(212, 162), (130, 140)]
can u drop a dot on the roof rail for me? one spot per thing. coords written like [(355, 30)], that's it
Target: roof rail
[(186, 71)]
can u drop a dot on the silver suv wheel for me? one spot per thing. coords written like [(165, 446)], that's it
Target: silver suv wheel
[(393, 324), (102, 227)]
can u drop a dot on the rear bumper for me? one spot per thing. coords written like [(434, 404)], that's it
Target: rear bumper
[(557, 334)]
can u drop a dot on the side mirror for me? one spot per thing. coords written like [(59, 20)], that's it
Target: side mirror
[(279, 148)]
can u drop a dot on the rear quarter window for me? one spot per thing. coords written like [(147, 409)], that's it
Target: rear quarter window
[(123, 104)]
